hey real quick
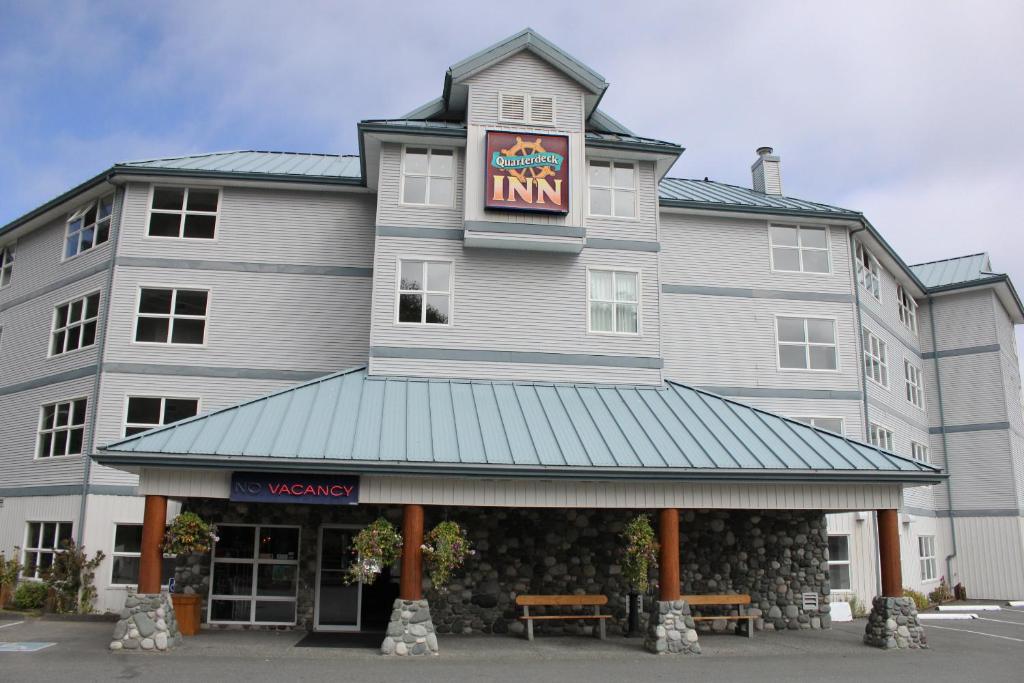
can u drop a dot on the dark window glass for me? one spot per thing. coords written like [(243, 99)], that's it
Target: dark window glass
[(283, 611), (58, 342), (277, 580), (76, 311), (178, 409), (132, 431), (126, 570), (128, 538), (92, 306), (190, 302), (232, 579), (200, 226), (86, 239), (235, 541), (230, 610), (279, 544), (152, 330), (165, 224), (169, 198), (410, 308), (72, 339), (202, 200), (103, 232), (44, 445), (89, 334), (106, 206), (75, 440), (78, 418), (143, 410), (155, 301), (188, 331)]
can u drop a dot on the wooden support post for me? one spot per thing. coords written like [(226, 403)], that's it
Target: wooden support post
[(889, 553), (411, 586), (151, 556), (668, 561)]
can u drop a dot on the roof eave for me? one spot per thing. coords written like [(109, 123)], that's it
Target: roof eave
[(765, 210), (235, 175), (85, 186), (993, 281)]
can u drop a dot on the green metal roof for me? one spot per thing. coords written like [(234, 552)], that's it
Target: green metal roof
[(954, 270), (354, 422), (271, 163), (707, 194)]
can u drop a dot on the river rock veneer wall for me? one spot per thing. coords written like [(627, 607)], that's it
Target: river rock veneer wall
[(773, 556)]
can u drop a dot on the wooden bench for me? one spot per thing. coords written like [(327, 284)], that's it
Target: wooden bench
[(595, 601), (739, 601)]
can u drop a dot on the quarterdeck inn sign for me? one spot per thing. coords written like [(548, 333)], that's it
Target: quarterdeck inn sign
[(526, 172), (269, 487)]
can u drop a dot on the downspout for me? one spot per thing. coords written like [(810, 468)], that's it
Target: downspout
[(945, 441), (864, 386), (100, 347)]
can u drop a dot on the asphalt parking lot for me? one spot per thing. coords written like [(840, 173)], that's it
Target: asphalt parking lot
[(987, 649)]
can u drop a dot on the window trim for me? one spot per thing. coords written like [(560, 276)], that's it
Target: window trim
[(527, 119), (835, 343), (636, 189), (914, 446), (183, 212), (26, 549), (848, 562), (8, 255), (927, 560), (908, 386), (639, 302), (115, 553), (799, 248), (454, 177), (53, 324), (451, 292), (891, 448), (907, 313), (163, 403), (80, 212), (170, 330), (842, 422), (874, 267), (866, 336), (39, 428)]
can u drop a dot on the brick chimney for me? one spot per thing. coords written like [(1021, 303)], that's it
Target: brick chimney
[(767, 172)]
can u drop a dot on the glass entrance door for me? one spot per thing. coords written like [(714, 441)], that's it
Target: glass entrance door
[(337, 603)]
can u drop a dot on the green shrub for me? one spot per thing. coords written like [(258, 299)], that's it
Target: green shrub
[(919, 598), (942, 593), (856, 608), (30, 595)]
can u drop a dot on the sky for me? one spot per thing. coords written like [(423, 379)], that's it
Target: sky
[(908, 111)]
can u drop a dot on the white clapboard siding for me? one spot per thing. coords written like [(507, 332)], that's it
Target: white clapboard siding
[(990, 555), (644, 226), (18, 510), (392, 212), (860, 527), (524, 372), (888, 311)]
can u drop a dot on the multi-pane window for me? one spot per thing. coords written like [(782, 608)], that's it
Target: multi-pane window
[(124, 570), (807, 343), (613, 189), (425, 292), (189, 212), (255, 575), (919, 452), (831, 424), (868, 271), (42, 541), (800, 249), (147, 412), (171, 316), (89, 226), (6, 265), (876, 359), (880, 437), (914, 382), (428, 176), (926, 551), (839, 563), (74, 324), (61, 428), (614, 301), (908, 309)]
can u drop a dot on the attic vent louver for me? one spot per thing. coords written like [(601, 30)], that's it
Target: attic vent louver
[(542, 110), (512, 107), (537, 110)]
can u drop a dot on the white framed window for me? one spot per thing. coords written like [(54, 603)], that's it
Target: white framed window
[(43, 540), (424, 292), (800, 249), (61, 428), (146, 412), (613, 301), (89, 226), (919, 452), (74, 324), (830, 424), (124, 566), (908, 309), (171, 316), (839, 574), (880, 437), (184, 212), (255, 575), (428, 176), (876, 359), (530, 108), (868, 271), (926, 551), (806, 343), (914, 383), (612, 188), (6, 265)]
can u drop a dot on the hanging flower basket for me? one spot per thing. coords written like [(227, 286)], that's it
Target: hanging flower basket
[(640, 552), (189, 533), (374, 547), (445, 550)]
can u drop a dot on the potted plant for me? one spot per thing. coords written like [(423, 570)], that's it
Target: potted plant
[(10, 570), (188, 533), (639, 554), (376, 546), (445, 549)]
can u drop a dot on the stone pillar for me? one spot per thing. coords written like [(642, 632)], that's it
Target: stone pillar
[(670, 630), (151, 556), (411, 630), (893, 622)]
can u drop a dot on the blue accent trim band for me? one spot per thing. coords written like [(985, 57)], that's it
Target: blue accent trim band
[(976, 427), (526, 229), (54, 286), (243, 266), (965, 351), (773, 392), (66, 376), (516, 357), (430, 233), (201, 371), (67, 490), (624, 245), (747, 293), (989, 512), (903, 337)]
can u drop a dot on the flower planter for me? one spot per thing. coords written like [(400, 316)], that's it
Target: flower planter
[(186, 610)]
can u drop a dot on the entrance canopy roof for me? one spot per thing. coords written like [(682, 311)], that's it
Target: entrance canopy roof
[(352, 422)]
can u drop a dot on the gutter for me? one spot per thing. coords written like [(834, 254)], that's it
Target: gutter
[(945, 441)]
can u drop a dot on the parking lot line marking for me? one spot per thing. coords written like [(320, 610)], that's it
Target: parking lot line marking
[(11, 624), (980, 633), (946, 616), (1002, 621), (969, 608), (24, 647)]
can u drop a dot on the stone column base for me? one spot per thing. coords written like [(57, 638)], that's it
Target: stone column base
[(411, 630), (893, 625), (147, 623), (670, 629)]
